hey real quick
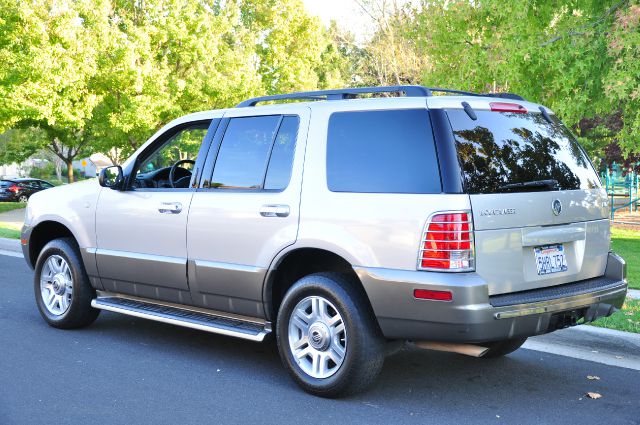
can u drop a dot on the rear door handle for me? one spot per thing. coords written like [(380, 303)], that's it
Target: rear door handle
[(170, 208), (274, 210)]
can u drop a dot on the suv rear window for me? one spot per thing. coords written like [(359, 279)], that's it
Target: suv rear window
[(382, 152), (504, 148)]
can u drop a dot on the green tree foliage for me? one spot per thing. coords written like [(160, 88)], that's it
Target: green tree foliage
[(622, 82), (578, 57), (47, 57), (103, 75)]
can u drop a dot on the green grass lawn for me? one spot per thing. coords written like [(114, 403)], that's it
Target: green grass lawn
[(8, 206), (627, 244), (9, 232), (627, 319)]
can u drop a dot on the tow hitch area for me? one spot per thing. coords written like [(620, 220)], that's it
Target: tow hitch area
[(570, 318), (566, 319)]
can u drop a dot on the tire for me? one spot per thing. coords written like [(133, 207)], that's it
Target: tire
[(358, 339), (68, 287), (502, 348), (23, 199)]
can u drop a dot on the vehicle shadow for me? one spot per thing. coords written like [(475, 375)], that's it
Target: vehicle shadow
[(150, 372), (409, 375)]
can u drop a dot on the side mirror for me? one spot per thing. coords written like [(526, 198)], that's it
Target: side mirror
[(111, 177)]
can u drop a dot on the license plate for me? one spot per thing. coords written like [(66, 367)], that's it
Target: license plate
[(550, 259)]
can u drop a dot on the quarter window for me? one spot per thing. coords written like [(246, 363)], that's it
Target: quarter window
[(382, 152)]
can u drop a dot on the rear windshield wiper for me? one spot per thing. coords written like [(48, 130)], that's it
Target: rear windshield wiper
[(551, 184)]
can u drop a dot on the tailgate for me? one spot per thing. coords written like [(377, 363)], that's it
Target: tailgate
[(506, 250), (539, 211)]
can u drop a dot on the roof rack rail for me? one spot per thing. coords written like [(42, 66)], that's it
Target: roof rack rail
[(352, 93), (511, 96)]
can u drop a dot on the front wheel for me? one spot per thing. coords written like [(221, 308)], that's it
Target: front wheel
[(327, 336), (62, 289)]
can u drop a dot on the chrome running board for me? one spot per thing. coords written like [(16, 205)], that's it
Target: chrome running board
[(185, 317)]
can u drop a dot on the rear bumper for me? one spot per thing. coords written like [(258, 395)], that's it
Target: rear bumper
[(473, 316)]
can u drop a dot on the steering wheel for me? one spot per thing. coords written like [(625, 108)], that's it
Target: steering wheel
[(172, 172)]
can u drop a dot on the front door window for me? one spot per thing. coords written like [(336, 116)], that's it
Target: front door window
[(171, 164)]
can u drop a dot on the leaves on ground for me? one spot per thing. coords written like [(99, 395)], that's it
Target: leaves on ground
[(594, 396), (593, 378)]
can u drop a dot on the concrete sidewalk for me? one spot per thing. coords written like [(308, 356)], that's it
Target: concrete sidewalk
[(13, 217)]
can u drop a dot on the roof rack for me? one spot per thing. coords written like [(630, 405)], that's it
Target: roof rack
[(352, 93)]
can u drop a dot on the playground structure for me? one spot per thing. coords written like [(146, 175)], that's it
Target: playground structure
[(622, 188)]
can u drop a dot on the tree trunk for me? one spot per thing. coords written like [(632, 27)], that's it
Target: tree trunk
[(69, 170), (58, 164)]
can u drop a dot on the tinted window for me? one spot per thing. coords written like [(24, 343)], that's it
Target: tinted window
[(46, 185), (30, 184), (502, 148), (281, 161), (244, 153), (5, 183), (382, 152)]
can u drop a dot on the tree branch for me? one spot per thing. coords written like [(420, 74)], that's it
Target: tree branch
[(586, 26)]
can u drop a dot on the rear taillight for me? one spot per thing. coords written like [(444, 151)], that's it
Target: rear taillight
[(447, 243), (14, 189), (507, 107)]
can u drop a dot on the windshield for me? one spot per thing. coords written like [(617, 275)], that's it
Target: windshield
[(516, 152)]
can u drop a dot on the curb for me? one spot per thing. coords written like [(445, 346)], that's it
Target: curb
[(633, 294)]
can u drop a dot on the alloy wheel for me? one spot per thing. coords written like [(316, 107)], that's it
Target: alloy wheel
[(56, 285), (317, 337)]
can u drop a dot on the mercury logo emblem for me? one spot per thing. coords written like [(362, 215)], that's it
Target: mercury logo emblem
[(556, 207), (316, 337)]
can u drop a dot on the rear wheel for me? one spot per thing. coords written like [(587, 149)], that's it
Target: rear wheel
[(62, 289), (327, 336), (502, 348), (23, 199)]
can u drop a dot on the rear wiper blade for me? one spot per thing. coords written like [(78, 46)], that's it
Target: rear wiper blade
[(550, 183)]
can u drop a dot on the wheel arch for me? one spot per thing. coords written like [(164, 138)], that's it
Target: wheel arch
[(43, 233), (293, 264)]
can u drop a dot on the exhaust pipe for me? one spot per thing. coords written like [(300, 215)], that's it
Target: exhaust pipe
[(466, 349)]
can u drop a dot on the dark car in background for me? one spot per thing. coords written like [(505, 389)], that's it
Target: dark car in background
[(19, 190)]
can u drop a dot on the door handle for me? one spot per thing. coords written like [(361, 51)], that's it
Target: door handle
[(274, 210), (170, 208)]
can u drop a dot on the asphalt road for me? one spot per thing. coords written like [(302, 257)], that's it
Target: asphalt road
[(123, 370)]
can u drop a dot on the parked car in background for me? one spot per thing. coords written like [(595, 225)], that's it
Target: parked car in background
[(19, 190)]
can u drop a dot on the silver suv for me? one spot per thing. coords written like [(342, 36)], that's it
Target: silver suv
[(340, 221)]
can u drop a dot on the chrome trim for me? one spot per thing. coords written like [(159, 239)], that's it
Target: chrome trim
[(170, 208), (472, 250), (229, 266), (140, 256), (560, 304)]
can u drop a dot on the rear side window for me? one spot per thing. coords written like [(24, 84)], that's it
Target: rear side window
[(382, 152), (500, 150), (5, 183)]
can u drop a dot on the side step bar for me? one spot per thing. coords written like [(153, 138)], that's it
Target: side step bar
[(184, 317)]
